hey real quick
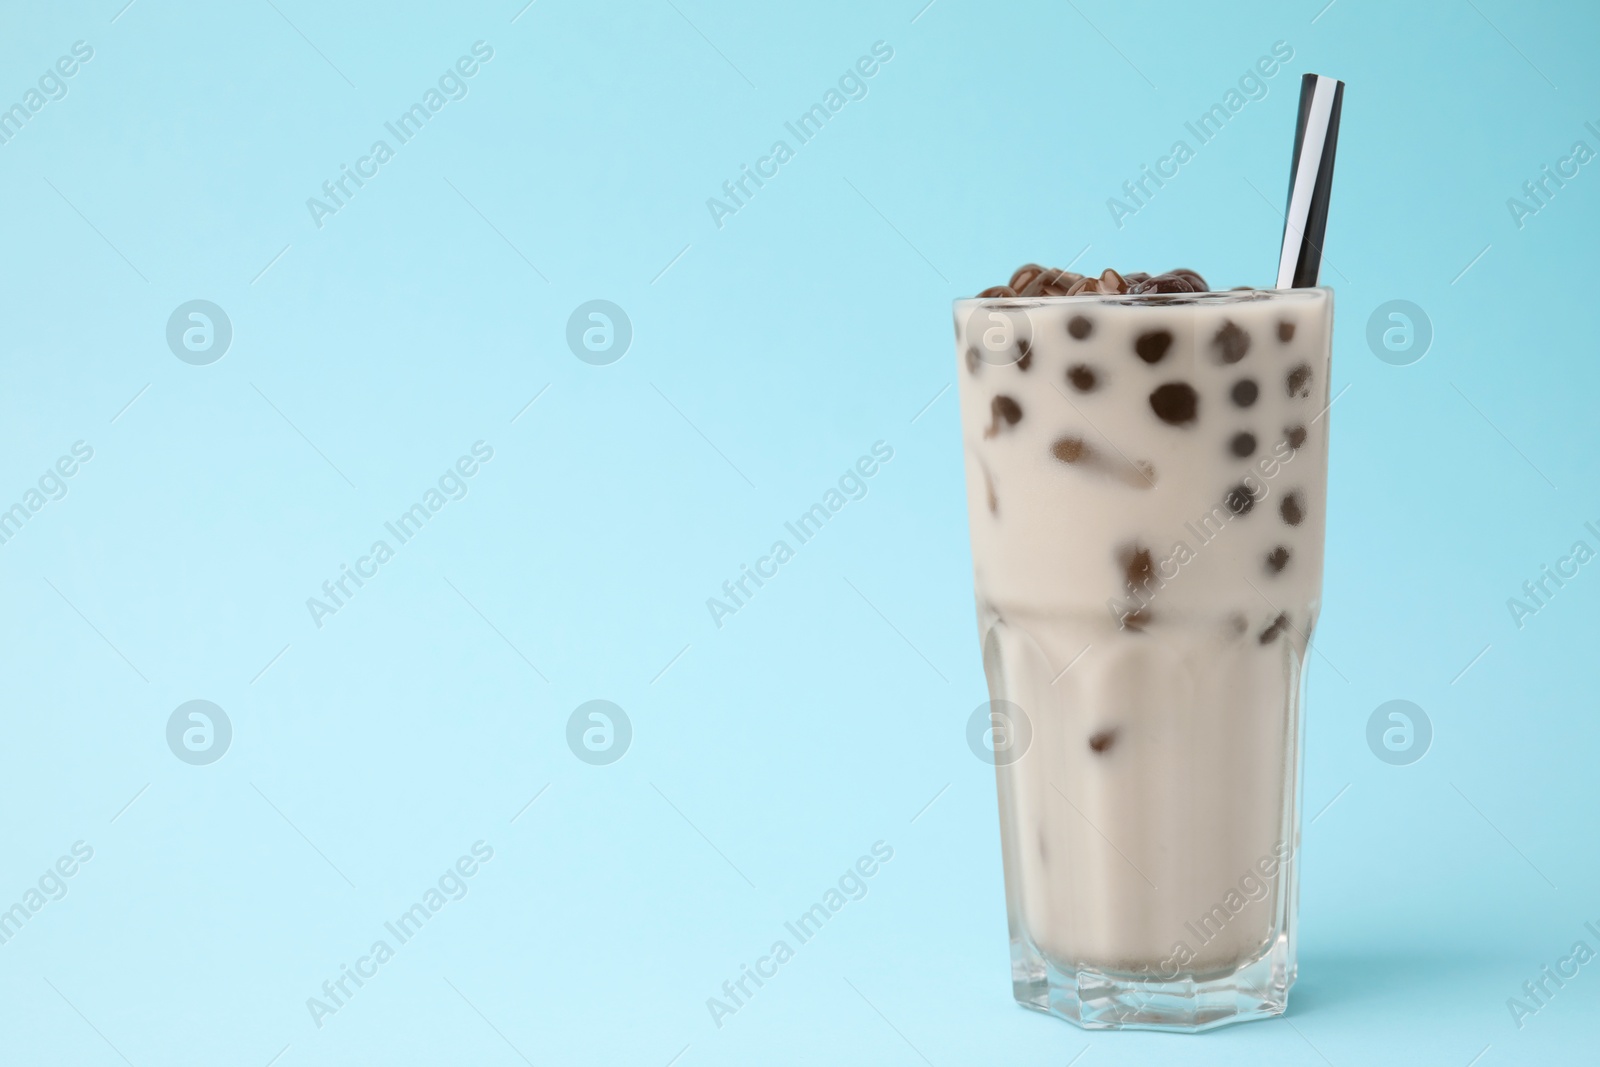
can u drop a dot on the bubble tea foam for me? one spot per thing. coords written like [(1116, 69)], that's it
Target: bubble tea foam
[(1146, 469)]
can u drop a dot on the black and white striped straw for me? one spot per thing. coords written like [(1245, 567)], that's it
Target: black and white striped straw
[(1316, 135)]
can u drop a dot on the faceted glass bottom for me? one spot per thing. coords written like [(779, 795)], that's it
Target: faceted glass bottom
[(1096, 1000)]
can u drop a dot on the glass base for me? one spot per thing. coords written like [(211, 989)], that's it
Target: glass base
[(1097, 1000)]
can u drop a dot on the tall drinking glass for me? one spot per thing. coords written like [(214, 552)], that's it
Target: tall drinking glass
[(1146, 483)]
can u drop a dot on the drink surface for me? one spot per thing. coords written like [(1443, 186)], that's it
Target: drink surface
[(1147, 482)]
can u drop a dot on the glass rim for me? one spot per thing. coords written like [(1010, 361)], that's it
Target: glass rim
[(1156, 300)]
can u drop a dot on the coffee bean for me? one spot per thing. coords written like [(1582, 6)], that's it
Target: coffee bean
[(1056, 282), (1033, 280), (1299, 381), (1002, 407), (1285, 331), (1277, 559), (1024, 275), (1039, 284), (1237, 624), (1278, 625), (1295, 435), (1103, 740), (1026, 348), (1291, 509), (1082, 377), (973, 361), (1136, 620), (1152, 347), (1244, 391), (1175, 403), (1079, 327), (1239, 499), (1231, 342), (1163, 283), (1243, 444), (1071, 449)]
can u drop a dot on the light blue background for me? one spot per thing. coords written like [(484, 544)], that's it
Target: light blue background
[(766, 358)]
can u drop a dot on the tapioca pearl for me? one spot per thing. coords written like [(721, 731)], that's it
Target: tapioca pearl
[(1002, 409), (1082, 377), (1138, 566), (1231, 342), (1299, 380), (1277, 626), (1244, 391), (1285, 331), (1292, 508), (1079, 327), (1175, 403), (1295, 435), (1243, 444), (1277, 559), (1071, 449), (1152, 346), (1026, 348), (1239, 499), (973, 360), (1102, 740)]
